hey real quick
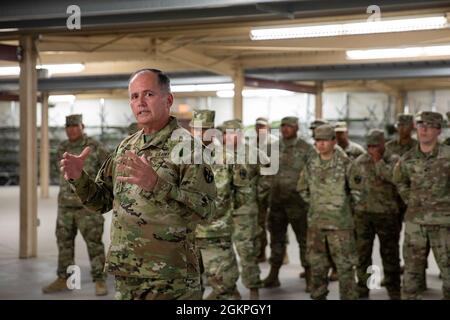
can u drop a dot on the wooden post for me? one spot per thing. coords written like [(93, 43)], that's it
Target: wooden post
[(318, 101), (400, 102), (28, 152), (238, 87), (44, 148)]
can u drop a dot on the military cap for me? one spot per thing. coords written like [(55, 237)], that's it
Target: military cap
[(448, 115), (324, 132), (404, 118), (290, 121), (316, 123), (203, 119), (262, 121), (232, 124), (74, 119), (374, 137), (340, 126), (133, 128), (430, 117)]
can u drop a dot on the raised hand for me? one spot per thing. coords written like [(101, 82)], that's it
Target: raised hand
[(72, 165), (138, 170)]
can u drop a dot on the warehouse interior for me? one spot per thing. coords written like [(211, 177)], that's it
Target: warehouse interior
[(58, 59)]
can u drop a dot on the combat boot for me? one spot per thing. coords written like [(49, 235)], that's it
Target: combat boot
[(272, 280), (308, 279), (100, 288), (254, 294), (236, 294), (333, 276), (56, 286)]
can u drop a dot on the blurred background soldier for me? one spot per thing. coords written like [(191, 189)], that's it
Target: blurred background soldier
[(395, 149), (352, 149), (422, 177), (264, 140), (72, 216), (245, 207), (313, 125), (214, 238), (316, 123), (376, 213), (324, 185), (447, 141), (286, 205)]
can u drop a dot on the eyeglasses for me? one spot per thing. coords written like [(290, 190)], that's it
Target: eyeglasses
[(424, 125)]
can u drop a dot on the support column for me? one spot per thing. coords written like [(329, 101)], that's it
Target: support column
[(238, 87), (28, 152), (400, 102), (44, 148), (318, 101)]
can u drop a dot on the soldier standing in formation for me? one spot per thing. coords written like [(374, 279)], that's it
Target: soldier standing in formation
[(157, 201), (286, 206), (214, 238), (376, 213), (245, 207), (324, 185), (73, 216), (447, 141), (352, 149), (422, 177), (264, 141)]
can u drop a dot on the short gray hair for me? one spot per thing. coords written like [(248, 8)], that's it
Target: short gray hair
[(163, 79)]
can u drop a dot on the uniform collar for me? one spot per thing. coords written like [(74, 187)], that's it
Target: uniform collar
[(79, 142), (433, 154), (158, 139)]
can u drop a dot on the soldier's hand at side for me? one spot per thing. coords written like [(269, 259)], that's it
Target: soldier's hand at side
[(72, 165), (139, 171)]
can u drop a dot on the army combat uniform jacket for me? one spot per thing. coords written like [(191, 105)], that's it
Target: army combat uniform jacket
[(152, 233)]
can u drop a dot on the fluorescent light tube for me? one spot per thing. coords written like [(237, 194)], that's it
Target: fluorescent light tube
[(328, 30), (411, 52)]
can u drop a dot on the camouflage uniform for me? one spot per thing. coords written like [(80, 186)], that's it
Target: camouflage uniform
[(263, 190), (447, 141), (245, 215), (376, 213), (214, 238), (133, 128), (353, 150), (423, 182), (324, 185), (152, 251), (286, 205), (73, 216)]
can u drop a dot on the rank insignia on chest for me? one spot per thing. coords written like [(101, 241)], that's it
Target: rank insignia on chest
[(243, 173), (357, 179)]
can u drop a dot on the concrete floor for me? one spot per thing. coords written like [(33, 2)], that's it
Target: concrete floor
[(24, 278)]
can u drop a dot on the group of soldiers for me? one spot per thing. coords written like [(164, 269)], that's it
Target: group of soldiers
[(174, 221)]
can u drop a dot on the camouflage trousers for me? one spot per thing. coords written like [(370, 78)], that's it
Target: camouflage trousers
[(134, 288), (221, 269), (281, 215), (262, 221), (341, 244), (386, 226), (415, 249), (245, 231), (90, 224)]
